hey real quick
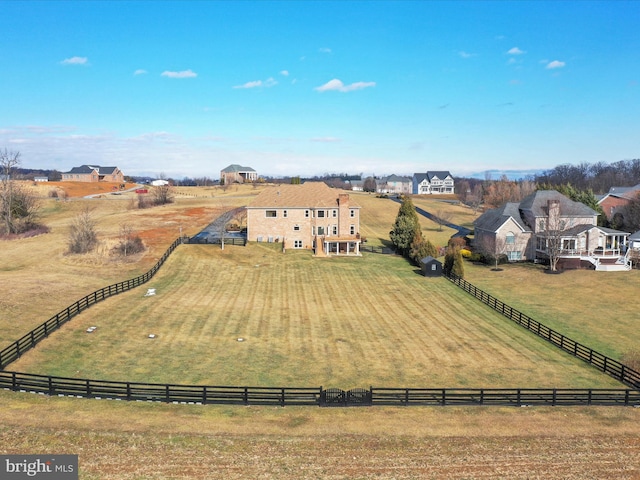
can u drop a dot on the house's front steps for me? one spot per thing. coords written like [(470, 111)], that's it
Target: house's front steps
[(613, 267)]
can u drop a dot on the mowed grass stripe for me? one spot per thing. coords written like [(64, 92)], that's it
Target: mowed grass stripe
[(305, 322)]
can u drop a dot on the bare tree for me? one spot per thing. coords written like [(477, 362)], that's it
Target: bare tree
[(492, 247), (82, 235), (18, 206), (442, 217), (130, 243)]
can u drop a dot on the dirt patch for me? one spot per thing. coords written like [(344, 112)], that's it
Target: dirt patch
[(82, 189)]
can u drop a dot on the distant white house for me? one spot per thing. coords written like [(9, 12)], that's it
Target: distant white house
[(159, 183), (40, 179), (433, 183)]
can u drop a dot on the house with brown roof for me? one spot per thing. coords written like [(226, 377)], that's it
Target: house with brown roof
[(93, 173), (547, 224), (308, 216)]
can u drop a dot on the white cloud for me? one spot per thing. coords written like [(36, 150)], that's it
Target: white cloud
[(555, 64), (140, 71), (284, 73), (75, 61), (337, 85), (466, 55), (269, 82), (516, 51), (183, 74)]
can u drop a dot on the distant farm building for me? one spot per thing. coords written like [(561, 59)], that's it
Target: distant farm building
[(93, 173), (237, 174)]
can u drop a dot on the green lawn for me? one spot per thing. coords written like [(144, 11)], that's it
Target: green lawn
[(598, 309), (345, 322)]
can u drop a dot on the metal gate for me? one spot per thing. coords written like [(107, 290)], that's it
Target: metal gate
[(336, 397)]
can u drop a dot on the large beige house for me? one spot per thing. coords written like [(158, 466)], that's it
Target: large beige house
[(308, 216), (547, 224), (235, 173), (93, 173)]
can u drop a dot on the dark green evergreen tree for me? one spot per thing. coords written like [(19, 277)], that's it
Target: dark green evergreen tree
[(405, 227)]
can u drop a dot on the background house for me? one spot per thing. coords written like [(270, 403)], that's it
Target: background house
[(432, 183), (237, 174), (93, 173), (308, 216), (547, 225), (395, 184), (616, 198)]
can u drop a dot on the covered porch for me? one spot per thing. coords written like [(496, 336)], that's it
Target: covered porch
[(340, 246)]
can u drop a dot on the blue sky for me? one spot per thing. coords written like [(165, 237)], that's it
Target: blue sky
[(306, 88)]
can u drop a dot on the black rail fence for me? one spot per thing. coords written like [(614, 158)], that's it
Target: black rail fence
[(376, 249), (31, 339), (333, 397), (608, 365), (282, 396), (205, 239)]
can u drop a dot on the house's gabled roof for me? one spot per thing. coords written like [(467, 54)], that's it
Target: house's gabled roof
[(635, 236), (611, 231), (627, 193), (537, 204), (429, 176), (237, 168), (87, 169), (441, 175), (307, 195), (623, 191), (493, 219), (420, 177), (578, 229), (429, 259), (83, 169), (107, 170), (396, 178)]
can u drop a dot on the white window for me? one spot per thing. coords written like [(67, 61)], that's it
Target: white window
[(297, 244), (296, 228), (510, 238), (514, 256), (352, 229), (306, 214), (320, 214), (284, 213), (334, 213), (334, 230), (352, 213)]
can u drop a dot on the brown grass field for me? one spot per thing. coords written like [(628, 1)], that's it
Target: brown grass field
[(122, 440)]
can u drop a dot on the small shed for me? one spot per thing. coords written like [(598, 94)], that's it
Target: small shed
[(431, 267)]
